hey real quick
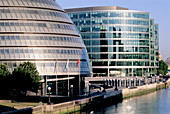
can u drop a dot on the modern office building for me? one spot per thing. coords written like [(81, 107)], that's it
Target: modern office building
[(168, 63), (41, 32), (120, 42)]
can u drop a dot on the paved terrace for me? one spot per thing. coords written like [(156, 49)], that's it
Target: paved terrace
[(99, 84)]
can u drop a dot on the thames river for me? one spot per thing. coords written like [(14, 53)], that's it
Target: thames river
[(153, 103)]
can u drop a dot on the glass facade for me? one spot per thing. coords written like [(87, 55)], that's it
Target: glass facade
[(120, 42), (41, 32), (168, 63)]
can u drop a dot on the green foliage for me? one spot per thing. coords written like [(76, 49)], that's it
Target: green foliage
[(4, 79), (163, 68), (26, 78), (3, 70), (154, 71)]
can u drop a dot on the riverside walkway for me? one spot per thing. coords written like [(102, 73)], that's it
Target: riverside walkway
[(99, 84), (98, 98)]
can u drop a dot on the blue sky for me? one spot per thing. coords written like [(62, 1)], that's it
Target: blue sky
[(159, 10)]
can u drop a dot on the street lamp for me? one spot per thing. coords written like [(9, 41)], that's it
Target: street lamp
[(49, 101), (71, 89)]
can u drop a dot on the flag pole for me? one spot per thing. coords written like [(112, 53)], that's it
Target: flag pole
[(56, 78), (68, 78), (79, 79)]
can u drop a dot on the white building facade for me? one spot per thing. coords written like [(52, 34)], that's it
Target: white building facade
[(41, 32)]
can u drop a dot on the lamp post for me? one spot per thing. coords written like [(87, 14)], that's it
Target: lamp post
[(49, 101), (71, 89)]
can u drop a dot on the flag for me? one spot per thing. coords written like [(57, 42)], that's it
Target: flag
[(67, 64), (77, 62), (55, 67)]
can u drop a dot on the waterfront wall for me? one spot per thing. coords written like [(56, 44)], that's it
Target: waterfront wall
[(126, 93), (105, 98), (140, 90)]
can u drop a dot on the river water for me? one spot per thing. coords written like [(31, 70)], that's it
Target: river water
[(153, 103)]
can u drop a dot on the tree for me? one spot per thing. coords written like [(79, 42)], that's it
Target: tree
[(26, 78), (4, 78), (154, 71), (163, 68)]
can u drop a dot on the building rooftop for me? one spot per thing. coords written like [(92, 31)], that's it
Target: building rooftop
[(96, 8)]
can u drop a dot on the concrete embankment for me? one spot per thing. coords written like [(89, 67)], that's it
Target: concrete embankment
[(140, 90), (126, 93), (110, 97)]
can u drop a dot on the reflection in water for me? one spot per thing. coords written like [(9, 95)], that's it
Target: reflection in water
[(154, 103)]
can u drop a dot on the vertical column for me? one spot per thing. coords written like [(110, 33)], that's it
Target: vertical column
[(45, 86), (113, 83), (120, 82), (142, 72), (125, 83), (134, 82), (56, 86), (116, 84), (86, 87), (104, 85), (108, 75), (130, 83), (139, 82)]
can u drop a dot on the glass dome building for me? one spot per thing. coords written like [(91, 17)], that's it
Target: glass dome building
[(41, 32), (120, 42)]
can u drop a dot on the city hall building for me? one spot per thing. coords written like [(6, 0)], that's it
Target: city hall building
[(120, 42), (41, 32)]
